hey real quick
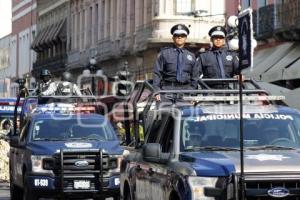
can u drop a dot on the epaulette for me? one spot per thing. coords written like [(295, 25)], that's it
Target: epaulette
[(165, 48)]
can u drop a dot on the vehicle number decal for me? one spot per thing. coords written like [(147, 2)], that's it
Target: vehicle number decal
[(41, 182), (78, 145)]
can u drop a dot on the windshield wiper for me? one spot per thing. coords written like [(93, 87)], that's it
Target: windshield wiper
[(271, 147), (213, 148), (48, 139)]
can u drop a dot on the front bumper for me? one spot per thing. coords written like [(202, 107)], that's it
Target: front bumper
[(44, 186)]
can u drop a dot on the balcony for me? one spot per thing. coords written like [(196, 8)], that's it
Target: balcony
[(281, 21), (263, 22), (55, 64)]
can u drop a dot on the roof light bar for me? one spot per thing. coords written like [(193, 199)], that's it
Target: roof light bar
[(233, 98)]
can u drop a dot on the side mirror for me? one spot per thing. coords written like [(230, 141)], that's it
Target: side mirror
[(152, 153)]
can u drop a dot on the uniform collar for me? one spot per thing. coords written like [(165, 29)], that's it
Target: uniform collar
[(175, 48), (219, 50)]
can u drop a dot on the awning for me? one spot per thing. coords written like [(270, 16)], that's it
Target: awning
[(50, 35), (265, 59), (293, 71), (276, 72), (34, 44), (45, 36), (60, 30), (272, 88)]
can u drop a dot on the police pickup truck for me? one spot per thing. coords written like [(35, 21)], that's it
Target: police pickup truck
[(192, 148), (64, 150)]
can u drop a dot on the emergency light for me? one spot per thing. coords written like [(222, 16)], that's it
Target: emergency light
[(64, 108), (233, 98)]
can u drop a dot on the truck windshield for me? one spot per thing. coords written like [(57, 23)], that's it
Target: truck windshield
[(261, 130), (72, 129)]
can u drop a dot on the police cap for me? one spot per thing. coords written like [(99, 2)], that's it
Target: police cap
[(180, 29), (217, 31)]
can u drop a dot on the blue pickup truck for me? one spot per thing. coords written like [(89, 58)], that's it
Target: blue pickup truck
[(7, 107), (60, 153), (192, 148)]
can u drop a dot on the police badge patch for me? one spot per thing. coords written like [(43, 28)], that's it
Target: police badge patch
[(229, 57), (189, 57)]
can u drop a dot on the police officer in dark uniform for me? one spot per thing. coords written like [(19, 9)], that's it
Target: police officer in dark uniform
[(218, 61), (66, 87), (46, 87), (175, 66)]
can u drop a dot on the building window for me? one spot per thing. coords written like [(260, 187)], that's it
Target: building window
[(246, 4), (261, 3), (183, 6)]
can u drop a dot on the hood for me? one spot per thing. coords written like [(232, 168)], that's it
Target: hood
[(225, 163), (51, 147)]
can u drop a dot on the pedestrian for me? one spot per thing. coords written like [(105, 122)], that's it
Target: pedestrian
[(218, 61), (175, 67), (46, 87), (66, 87)]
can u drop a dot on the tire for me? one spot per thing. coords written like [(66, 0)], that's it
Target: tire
[(27, 194), (117, 197), (127, 196), (16, 193)]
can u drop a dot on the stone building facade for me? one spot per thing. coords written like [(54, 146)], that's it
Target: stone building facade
[(23, 33), (6, 70), (115, 31), (50, 44)]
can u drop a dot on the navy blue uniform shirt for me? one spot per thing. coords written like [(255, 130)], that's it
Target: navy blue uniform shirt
[(209, 67), (165, 68)]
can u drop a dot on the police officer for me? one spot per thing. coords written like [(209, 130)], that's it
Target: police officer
[(175, 66), (66, 87), (218, 61), (47, 87)]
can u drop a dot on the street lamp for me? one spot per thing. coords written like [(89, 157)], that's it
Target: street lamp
[(92, 69)]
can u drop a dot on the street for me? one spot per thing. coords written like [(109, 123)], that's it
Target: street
[(4, 191)]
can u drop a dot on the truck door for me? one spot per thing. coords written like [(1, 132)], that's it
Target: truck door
[(20, 152), (152, 179)]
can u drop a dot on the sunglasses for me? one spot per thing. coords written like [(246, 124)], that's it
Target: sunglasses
[(181, 35)]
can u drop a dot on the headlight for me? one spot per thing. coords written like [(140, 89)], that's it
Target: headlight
[(115, 163), (37, 164), (198, 184)]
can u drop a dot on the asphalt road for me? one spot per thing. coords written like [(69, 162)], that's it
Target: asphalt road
[(4, 191)]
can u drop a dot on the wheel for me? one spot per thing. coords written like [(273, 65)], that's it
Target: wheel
[(27, 194), (117, 197), (127, 196), (16, 193)]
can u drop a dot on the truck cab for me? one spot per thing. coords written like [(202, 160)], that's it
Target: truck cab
[(64, 151)]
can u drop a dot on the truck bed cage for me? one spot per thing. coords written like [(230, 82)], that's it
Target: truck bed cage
[(231, 82)]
